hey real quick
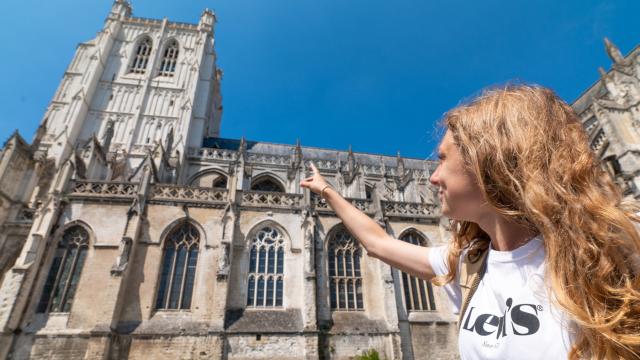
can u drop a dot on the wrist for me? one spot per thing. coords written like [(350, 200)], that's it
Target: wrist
[(323, 191)]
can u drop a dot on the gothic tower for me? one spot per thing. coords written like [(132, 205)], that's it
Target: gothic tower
[(140, 85)]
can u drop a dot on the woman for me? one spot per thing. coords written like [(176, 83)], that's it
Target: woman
[(517, 177)]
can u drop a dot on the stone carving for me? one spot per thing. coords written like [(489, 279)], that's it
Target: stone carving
[(614, 53), (268, 159), (118, 164), (82, 188), (364, 205), (270, 199), (295, 162), (188, 194), (80, 168), (404, 176), (411, 210), (223, 261), (350, 170), (124, 250), (25, 214)]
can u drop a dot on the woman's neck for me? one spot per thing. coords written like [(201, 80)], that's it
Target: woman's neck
[(506, 235)]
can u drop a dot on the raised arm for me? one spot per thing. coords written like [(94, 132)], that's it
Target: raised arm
[(410, 258)]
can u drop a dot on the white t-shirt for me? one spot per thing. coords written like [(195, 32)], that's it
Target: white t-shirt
[(509, 316)]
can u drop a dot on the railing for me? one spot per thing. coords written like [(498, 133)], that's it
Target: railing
[(270, 199), (269, 159), (214, 154), (363, 205), (102, 189), (174, 193), (409, 210)]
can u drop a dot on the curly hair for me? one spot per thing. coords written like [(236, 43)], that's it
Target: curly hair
[(532, 161)]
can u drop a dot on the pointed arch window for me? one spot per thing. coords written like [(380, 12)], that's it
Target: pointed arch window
[(417, 293), (169, 59), (64, 274), (141, 57), (220, 182), (345, 278), (265, 282), (179, 260), (267, 183)]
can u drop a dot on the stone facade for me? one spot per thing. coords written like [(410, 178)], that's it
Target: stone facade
[(128, 154), (610, 113)]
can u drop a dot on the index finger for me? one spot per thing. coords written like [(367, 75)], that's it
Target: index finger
[(314, 168)]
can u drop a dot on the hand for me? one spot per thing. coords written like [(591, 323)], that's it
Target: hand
[(316, 182)]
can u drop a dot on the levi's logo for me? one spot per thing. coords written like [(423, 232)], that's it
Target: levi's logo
[(521, 319)]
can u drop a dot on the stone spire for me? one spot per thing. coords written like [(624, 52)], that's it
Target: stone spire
[(608, 82), (207, 19), (120, 9), (614, 53)]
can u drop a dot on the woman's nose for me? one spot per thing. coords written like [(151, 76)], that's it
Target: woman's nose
[(434, 179)]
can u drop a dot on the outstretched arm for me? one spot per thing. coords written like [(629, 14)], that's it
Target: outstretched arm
[(410, 258)]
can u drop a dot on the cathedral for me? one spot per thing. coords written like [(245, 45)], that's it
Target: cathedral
[(132, 230)]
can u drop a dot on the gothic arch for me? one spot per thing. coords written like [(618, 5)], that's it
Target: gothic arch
[(71, 246), (58, 234), (170, 51), (267, 181), (181, 246), (344, 270), (175, 223), (268, 222), (265, 275), (417, 294), (425, 241), (216, 177), (140, 55)]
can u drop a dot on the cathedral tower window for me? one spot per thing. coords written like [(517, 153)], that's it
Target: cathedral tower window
[(64, 274), (141, 57), (169, 59), (266, 267), (345, 279), (417, 293), (179, 260)]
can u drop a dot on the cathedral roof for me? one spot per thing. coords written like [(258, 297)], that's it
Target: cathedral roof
[(308, 152)]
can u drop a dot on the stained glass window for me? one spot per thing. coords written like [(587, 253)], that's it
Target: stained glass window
[(345, 283), (266, 262), (64, 274), (179, 261), (418, 293)]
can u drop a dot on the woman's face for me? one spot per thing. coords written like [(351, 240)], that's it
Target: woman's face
[(459, 193)]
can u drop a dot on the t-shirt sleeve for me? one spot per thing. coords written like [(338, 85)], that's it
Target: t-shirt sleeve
[(440, 266)]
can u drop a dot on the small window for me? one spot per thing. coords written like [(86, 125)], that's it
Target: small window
[(220, 182), (141, 58), (267, 184), (169, 59), (368, 192)]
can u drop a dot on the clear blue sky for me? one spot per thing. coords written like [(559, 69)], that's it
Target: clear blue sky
[(374, 74)]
